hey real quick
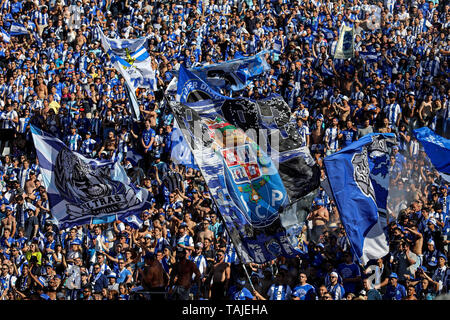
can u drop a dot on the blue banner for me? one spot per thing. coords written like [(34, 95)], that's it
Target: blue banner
[(437, 149), (358, 176), (243, 182), (233, 74), (83, 190)]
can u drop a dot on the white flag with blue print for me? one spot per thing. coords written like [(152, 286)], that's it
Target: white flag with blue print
[(5, 36), (83, 190), (130, 56)]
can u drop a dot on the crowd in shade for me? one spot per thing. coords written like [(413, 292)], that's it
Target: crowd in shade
[(58, 78)]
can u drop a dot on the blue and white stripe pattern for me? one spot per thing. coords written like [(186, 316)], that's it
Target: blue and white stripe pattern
[(17, 29), (5, 36), (99, 191)]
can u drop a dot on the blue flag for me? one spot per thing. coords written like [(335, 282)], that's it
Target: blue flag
[(83, 190), (242, 181), (17, 29), (233, 74), (358, 176), (437, 149), (5, 36)]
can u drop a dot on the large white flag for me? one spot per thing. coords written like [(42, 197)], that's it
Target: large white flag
[(345, 45), (83, 190)]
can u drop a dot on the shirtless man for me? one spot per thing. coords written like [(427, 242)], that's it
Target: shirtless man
[(319, 217), (9, 222), (220, 274), (205, 233), (154, 278), (181, 275), (317, 135), (41, 89), (30, 184)]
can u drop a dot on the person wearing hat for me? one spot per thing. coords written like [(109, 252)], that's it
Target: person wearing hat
[(88, 145), (240, 292), (74, 139), (394, 290), (441, 276), (113, 285), (319, 217), (184, 240), (31, 223), (430, 256), (335, 289)]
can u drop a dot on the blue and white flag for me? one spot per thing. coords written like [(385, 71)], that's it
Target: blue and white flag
[(83, 190), (359, 180), (369, 56), (437, 149), (243, 182), (133, 221), (134, 157), (196, 93), (233, 74), (181, 153), (5, 36), (17, 29), (132, 57)]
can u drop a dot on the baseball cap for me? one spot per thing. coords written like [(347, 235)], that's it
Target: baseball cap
[(334, 274), (183, 225), (241, 281), (199, 245), (284, 267), (393, 275), (112, 275), (441, 255)]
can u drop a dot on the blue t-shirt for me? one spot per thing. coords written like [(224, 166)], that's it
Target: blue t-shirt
[(348, 136), (122, 275), (147, 136), (304, 292), (395, 293), (349, 271)]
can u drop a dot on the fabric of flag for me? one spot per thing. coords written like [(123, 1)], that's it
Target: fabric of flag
[(437, 149), (133, 221), (17, 29), (243, 182), (5, 36), (134, 157), (266, 121), (345, 45), (358, 176), (196, 93), (83, 190), (181, 153), (369, 56), (234, 74), (132, 57)]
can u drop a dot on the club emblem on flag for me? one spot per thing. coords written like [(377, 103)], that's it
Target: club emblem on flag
[(361, 173)]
